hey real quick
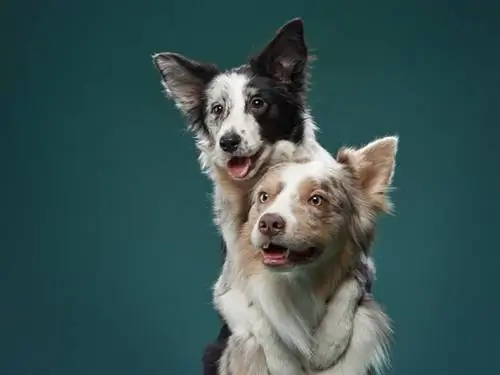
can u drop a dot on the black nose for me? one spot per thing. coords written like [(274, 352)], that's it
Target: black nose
[(229, 142), (271, 224)]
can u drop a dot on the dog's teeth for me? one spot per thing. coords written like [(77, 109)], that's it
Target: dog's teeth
[(265, 246)]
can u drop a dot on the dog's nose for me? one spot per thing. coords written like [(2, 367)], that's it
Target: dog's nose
[(271, 224), (229, 142)]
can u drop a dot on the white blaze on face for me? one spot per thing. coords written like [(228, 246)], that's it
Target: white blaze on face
[(291, 177), (230, 90)]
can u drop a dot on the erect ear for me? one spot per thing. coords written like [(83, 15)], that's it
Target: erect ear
[(373, 166), (285, 57), (184, 80)]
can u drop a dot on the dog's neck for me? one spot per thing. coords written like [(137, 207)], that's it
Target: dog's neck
[(235, 192)]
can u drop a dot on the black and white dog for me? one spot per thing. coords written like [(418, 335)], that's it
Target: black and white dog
[(244, 121)]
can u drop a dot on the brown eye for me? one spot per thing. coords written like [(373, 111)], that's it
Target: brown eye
[(263, 196), (316, 200), (217, 109), (257, 103)]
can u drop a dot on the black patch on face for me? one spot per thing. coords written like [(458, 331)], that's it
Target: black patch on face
[(284, 116), (279, 76)]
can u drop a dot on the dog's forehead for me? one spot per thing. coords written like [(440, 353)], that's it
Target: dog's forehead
[(291, 179), (295, 175), (229, 86)]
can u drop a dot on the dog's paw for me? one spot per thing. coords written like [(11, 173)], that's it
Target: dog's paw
[(351, 289)]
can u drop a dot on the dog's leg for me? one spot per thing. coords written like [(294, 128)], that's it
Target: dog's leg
[(279, 358), (234, 307), (335, 331), (243, 356), (231, 302), (369, 343)]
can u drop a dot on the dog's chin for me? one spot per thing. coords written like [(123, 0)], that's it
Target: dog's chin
[(281, 258), (243, 168)]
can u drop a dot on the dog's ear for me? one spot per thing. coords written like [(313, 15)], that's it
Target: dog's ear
[(184, 80), (285, 57), (373, 168)]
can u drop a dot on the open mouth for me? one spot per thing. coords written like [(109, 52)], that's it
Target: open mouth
[(277, 256), (239, 167)]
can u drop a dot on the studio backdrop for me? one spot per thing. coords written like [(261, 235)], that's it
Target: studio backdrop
[(107, 249)]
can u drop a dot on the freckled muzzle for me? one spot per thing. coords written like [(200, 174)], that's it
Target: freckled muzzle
[(276, 248)]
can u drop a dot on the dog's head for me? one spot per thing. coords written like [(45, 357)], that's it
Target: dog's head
[(239, 116), (306, 213)]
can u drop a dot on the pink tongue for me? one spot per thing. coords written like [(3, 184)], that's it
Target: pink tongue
[(274, 259), (238, 167)]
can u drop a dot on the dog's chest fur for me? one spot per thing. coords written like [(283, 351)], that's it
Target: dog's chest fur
[(270, 304), (289, 307)]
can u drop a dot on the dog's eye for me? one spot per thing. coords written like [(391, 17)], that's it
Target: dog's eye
[(263, 196), (316, 200), (217, 109), (257, 103)]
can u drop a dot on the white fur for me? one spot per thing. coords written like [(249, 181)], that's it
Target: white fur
[(233, 302), (369, 344), (290, 307)]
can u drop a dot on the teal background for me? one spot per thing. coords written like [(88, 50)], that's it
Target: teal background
[(108, 251)]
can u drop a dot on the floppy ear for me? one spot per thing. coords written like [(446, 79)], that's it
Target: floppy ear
[(285, 57), (373, 166), (184, 80)]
